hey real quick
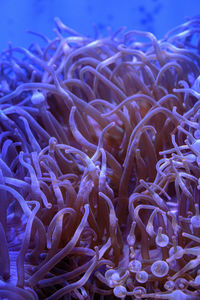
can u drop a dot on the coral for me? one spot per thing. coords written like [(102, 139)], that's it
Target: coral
[(99, 166)]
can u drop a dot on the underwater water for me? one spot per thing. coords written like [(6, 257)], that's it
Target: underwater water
[(99, 150), (156, 16)]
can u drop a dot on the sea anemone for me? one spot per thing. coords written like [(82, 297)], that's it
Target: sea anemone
[(100, 166)]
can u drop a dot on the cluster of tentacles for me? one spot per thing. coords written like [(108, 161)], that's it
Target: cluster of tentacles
[(100, 166)]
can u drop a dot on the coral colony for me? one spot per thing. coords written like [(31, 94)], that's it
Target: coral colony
[(100, 166)]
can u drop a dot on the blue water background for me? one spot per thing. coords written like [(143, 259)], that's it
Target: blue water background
[(157, 16)]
